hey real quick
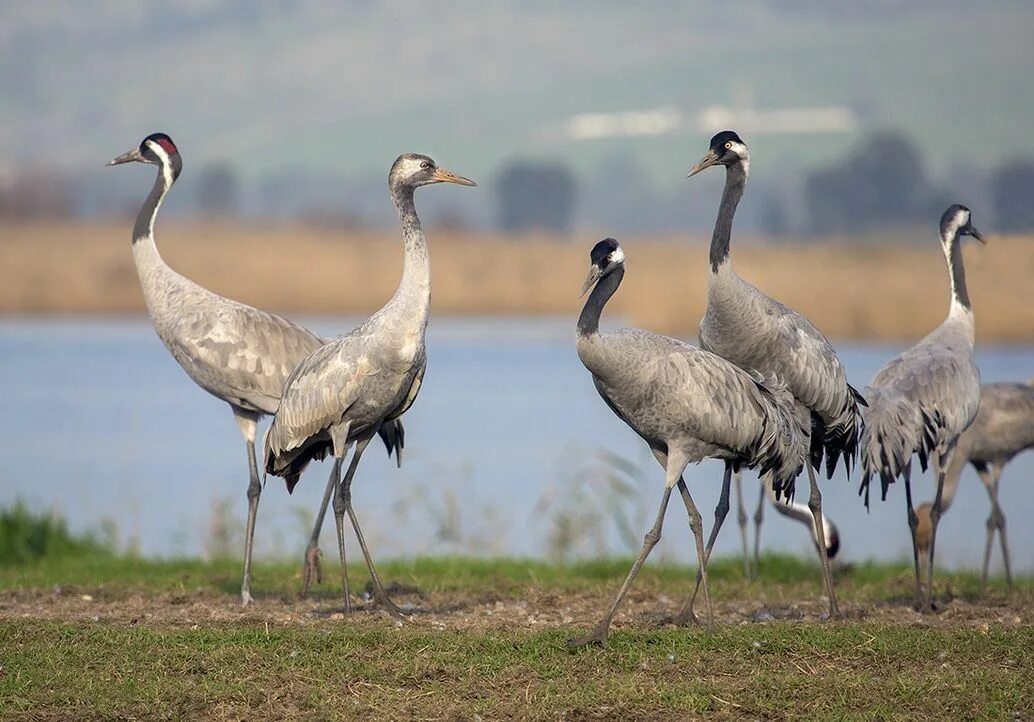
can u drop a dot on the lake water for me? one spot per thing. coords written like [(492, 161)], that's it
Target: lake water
[(509, 450)]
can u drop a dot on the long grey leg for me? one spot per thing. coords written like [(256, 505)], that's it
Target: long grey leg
[(697, 526), (247, 423), (996, 469), (346, 490), (759, 515), (995, 522), (687, 615), (913, 525), (599, 633), (943, 460), (815, 504), (339, 524), (985, 477), (312, 551), (741, 518)]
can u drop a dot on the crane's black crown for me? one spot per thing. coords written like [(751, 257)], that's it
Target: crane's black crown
[(718, 141), (162, 140), (600, 253)]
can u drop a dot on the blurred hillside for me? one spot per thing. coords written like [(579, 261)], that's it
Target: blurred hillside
[(306, 103)]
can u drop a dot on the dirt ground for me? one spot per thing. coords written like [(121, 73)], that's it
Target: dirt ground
[(462, 611)]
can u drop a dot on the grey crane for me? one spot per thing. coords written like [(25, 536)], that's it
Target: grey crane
[(688, 405), (754, 331), (788, 508), (235, 352), (1003, 428), (921, 401), (344, 392)]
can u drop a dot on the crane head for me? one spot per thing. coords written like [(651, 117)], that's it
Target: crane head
[(156, 149), (414, 169), (725, 148), (605, 257), (957, 220)]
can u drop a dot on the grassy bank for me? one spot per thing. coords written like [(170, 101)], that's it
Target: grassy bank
[(105, 636), (882, 289)]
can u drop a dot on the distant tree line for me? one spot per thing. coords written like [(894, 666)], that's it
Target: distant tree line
[(882, 182)]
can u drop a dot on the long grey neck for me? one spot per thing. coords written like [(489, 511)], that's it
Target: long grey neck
[(957, 272), (415, 287), (735, 182), (144, 226), (589, 320)]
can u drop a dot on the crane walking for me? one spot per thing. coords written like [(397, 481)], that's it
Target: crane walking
[(756, 332), (921, 401), (344, 392), (235, 352), (687, 404)]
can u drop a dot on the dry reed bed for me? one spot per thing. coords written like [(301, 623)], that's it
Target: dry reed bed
[(875, 291)]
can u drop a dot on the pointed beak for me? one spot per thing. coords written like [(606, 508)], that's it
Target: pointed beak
[(590, 280), (710, 159), (447, 176), (970, 230), (133, 155)]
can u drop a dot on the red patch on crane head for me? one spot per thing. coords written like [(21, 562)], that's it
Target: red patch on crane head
[(165, 142)]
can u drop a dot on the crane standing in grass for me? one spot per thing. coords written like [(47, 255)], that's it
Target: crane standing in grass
[(235, 352), (921, 401), (345, 392), (1003, 428), (757, 332), (688, 405)]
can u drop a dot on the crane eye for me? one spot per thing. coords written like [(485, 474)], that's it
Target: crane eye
[(728, 144)]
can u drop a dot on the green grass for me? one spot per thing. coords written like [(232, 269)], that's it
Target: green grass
[(285, 658)]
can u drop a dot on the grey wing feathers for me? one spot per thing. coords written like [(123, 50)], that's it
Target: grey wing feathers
[(815, 375), (753, 330), (1004, 425), (664, 386), (919, 403), (240, 354)]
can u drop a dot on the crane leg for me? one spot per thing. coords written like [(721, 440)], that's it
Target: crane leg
[(741, 518), (247, 424), (696, 525), (997, 470), (686, 615), (759, 515), (599, 633), (985, 477), (913, 525), (339, 524), (815, 504), (935, 516), (313, 569), (346, 490), (995, 522)]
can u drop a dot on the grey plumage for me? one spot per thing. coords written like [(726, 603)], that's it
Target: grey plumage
[(754, 331), (688, 405), (922, 401), (237, 353), (346, 391), (1002, 428)]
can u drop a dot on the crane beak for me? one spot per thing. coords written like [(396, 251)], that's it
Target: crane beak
[(133, 155), (706, 162), (447, 176), (971, 231), (590, 280)]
